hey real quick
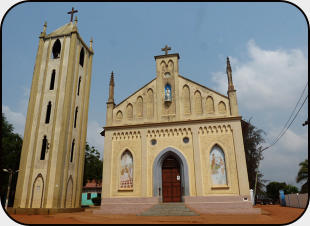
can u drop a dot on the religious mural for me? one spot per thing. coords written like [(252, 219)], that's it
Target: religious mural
[(218, 169), (126, 176)]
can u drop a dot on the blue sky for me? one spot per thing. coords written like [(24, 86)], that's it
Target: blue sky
[(266, 42)]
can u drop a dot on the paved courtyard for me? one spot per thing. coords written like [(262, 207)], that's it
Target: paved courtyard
[(271, 214)]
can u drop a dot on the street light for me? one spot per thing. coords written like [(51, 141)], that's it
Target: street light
[(11, 172)]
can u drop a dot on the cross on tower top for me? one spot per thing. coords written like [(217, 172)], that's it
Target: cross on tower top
[(72, 12), (166, 49)]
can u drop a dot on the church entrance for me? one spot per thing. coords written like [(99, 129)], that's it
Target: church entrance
[(171, 180)]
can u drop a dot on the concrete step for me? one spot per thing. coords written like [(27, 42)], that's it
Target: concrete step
[(169, 209)]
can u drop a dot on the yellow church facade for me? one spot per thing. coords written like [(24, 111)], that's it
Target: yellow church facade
[(174, 140)]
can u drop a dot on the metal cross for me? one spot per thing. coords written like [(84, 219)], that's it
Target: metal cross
[(166, 49), (72, 12)]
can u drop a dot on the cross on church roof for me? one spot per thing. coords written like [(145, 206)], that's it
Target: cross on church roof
[(72, 12), (166, 49)]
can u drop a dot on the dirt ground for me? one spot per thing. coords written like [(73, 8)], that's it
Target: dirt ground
[(271, 214)]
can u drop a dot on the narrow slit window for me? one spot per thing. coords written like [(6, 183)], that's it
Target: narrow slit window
[(82, 57), (78, 93), (48, 112), (72, 150), (43, 150), (52, 80), (76, 112)]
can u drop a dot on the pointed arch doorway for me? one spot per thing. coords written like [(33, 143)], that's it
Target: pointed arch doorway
[(171, 180), (180, 164)]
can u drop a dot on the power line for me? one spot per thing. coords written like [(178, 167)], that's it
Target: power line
[(281, 134), (277, 138)]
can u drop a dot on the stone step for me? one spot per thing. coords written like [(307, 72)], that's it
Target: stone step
[(169, 209)]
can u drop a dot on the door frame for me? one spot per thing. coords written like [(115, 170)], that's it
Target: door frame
[(157, 172)]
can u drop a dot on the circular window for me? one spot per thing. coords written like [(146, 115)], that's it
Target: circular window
[(167, 75), (153, 141), (185, 140)]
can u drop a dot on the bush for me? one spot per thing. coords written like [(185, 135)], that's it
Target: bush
[(96, 201)]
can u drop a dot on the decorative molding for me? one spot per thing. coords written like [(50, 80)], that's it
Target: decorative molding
[(168, 132), (128, 135), (218, 129)]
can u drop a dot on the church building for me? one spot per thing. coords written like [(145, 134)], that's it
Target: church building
[(174, 140)]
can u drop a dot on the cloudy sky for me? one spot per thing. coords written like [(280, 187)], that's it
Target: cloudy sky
[(266, 42)]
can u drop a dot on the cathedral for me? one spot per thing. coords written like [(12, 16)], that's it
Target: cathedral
[(173, 140)]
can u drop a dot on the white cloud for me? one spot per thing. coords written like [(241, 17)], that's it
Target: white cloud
[(270, 79), (93, 136), (268, 86), (17, 119)]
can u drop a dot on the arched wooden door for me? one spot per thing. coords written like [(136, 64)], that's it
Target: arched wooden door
[(171, 180)]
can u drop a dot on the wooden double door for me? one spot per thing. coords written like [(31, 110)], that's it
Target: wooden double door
[(171, 180)]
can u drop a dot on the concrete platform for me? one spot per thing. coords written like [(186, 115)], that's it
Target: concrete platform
[(42, 211)]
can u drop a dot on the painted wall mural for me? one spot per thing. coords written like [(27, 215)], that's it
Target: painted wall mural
[(126, 176), (218, 169)]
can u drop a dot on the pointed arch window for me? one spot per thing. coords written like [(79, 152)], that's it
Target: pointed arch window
[(78, 93), (43, 149), (72, 150), (48, 112), (126, 171), (56, 49), (52, 80), (218, 166), (82, 53), (76, 112)]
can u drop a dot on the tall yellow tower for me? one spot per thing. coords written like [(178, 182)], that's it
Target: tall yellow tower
[(52, 158)]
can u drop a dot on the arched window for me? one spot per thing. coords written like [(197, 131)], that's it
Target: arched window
[(198, 103), (48, 112), (82, 57), (150, 104), (168, 96), (78, 93), (52, 80), (43, 149), (217, 164), (129, 112), (126, 173), (209, 105), (139, 107), (186, 100), (56, 49), (222, 107), (76, 112), (72, 150)]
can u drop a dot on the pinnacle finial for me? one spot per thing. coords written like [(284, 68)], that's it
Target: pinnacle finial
[(91, 42), (44, 26), (75, 20), (112, 79), (228, 65)]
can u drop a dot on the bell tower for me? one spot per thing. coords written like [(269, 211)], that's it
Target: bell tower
[(167, 70), (52, 158)]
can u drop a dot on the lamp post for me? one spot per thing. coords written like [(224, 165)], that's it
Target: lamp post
[(11, 172)]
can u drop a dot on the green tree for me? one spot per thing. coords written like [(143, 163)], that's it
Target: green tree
[(273, 188), (303, 176), (253, 139), (93, 165), (290, 189), (11, 146)]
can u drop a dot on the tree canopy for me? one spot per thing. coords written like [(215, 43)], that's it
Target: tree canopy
[(273, 188), (303, 176), (93, 165), (253, 139), (11, 146)]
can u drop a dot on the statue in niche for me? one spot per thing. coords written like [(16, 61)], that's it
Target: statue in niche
[(168, 93)]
